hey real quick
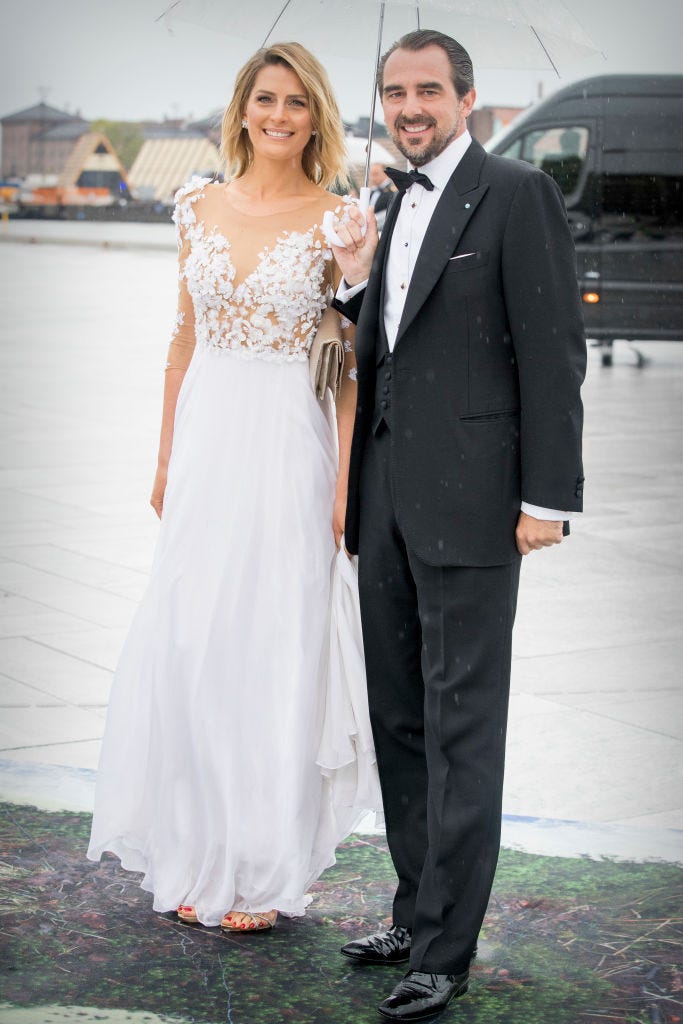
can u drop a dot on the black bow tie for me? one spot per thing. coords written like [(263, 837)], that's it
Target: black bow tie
[(403, 180)]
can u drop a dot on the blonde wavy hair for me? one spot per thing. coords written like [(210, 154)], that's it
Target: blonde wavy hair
[(324, 157)]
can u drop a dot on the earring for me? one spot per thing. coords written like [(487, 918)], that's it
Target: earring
[(245, 123), (313, 134)]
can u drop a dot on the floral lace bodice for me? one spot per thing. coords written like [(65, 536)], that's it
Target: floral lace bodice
[(253, 285)]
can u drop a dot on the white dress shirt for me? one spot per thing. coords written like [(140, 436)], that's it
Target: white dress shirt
[(417, 208), (412, 222)]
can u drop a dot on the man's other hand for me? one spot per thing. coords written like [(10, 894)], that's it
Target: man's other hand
[(533, 534)]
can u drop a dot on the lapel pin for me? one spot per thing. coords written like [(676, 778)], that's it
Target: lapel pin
[(467, 206)]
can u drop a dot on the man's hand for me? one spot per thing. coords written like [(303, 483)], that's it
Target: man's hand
[(533, 534), (355, 261)]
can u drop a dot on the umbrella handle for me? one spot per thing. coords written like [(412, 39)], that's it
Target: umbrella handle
[(331, 236)]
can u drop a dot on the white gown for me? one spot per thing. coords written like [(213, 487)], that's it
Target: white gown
[(237, 751)]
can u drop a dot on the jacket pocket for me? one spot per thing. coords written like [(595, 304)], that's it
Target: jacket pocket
[(466, 261), (486, 417)]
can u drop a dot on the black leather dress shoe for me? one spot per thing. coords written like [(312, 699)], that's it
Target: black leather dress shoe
[(390, 947), (420, 996)]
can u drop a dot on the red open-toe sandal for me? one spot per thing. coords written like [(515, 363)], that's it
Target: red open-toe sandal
[(187, 914), (248, 922)]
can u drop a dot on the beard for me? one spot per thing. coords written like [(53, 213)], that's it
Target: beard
[(417, 156)]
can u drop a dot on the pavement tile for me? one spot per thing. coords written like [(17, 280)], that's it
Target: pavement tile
[(45, 532), (588, 768), (626, 668), (99, 501), (19, 695), (100, 647), (76, 754), (18, 504), (660, 713), (623, 554), (670, 819), (32, 727), (52, 673), (21, 617), (133, 551), (601, 614), (87, 602), (71, 565), (21, 477)]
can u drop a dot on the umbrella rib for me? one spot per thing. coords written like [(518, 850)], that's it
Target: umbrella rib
[(272, 27), (168, 10), (543, 47)]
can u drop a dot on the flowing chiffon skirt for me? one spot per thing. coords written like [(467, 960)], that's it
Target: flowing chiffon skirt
[(237, 751)]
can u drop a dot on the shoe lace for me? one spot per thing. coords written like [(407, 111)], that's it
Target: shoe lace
[(387, 942)]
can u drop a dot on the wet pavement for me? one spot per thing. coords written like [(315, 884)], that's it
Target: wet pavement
[(596, 730)]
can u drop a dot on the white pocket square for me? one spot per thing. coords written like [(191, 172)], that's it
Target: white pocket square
[(461, 256)]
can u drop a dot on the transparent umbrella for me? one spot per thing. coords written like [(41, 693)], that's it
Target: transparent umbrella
[(534, 34)]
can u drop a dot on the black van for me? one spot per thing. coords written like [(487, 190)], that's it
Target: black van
[(614, 145)]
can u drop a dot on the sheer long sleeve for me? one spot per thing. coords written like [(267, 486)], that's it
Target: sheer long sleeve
[(183, 337)]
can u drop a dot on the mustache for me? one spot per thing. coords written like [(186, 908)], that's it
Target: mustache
[(402, 122)]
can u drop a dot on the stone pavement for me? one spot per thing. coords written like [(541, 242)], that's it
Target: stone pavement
[(596, 730)]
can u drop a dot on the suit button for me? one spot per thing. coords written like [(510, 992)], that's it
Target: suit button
[(385, 389), (387, 375), (384, 404), (389, 359)]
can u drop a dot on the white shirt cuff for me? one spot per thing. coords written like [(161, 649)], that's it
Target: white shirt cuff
[(346, 293), (551, 514)]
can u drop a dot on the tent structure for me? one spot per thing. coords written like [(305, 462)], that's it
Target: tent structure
[(164, 163)]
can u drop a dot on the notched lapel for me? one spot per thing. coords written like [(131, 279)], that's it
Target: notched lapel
[(460, 199)]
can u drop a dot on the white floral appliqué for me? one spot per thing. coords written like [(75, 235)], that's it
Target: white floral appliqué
[(274, 312)]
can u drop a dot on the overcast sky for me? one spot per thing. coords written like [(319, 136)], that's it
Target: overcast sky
[(111, 58)]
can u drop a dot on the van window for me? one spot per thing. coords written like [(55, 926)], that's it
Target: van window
[(560, 152), (638, 123), (641, 206)]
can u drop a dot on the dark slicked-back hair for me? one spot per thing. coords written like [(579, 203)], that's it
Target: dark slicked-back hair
[(462, 72)]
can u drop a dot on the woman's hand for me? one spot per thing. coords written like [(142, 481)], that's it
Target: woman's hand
[(159, 489), (338, 516)]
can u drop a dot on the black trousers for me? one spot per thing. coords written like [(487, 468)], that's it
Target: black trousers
[(438, 649)]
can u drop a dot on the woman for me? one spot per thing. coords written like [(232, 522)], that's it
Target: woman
[(208, 779)]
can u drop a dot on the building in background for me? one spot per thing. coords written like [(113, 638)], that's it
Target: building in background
[(59, 159), (38, 139), (64, 165), (484, 122), (170, 155), (93, 164)]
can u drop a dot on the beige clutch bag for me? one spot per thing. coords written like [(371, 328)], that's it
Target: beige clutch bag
[(326, 355)]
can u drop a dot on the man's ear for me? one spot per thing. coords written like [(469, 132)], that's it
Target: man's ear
[(468, 101)]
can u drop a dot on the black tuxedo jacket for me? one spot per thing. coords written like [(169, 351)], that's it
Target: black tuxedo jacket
[(486, 369)]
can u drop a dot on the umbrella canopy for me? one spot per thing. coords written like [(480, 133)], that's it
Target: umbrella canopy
[(496, 33)]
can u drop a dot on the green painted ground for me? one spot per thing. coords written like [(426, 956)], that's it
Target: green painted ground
[(565, 942)]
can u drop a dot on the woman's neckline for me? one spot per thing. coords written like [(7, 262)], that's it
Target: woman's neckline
[(312, 202)]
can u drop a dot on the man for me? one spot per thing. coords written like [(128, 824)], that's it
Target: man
[(382, 192), (466, 455)]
